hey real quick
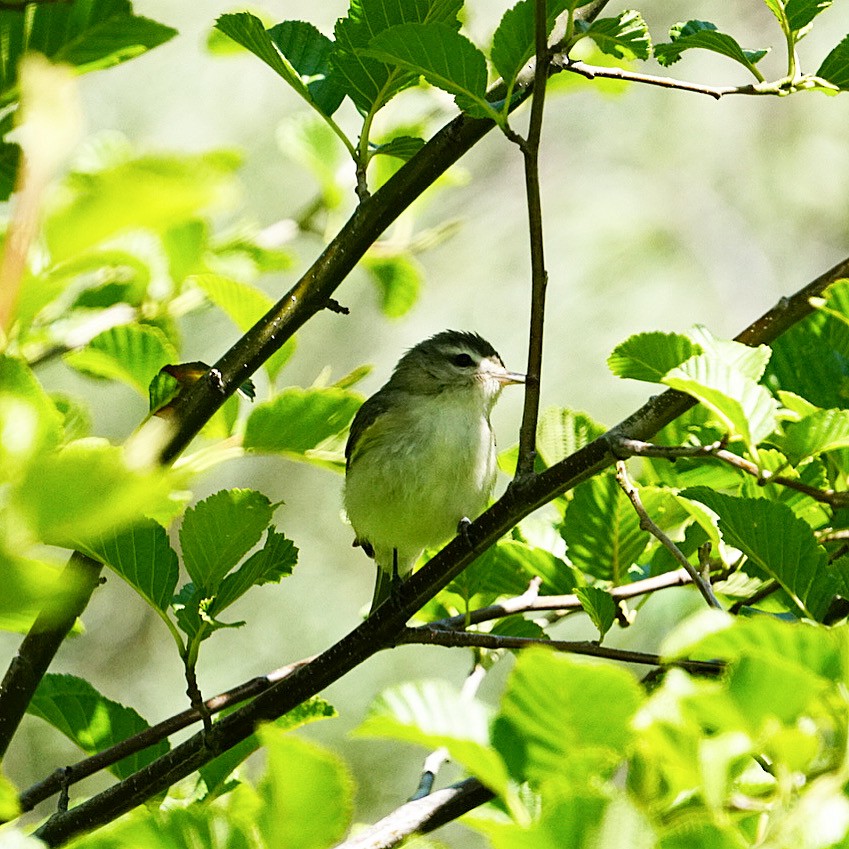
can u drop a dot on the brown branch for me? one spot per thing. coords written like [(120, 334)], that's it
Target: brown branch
[(426, 635), (539, 275), (381, 629), (647, 524), (634, 447), (527, 603)]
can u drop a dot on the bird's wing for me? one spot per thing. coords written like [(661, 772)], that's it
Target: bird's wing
[(364, 420)]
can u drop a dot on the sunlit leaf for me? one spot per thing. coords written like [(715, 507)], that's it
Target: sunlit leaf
[(398, 279), (602, 530), (143, 557), (298, 420), (599, 605), (562, 432), (92, 721), (131, 353), (822, 431), (307, 793), (649, 356), (218, 531), (442, 56), (704, 35), (777, 541), (626, 36), (549, 721)]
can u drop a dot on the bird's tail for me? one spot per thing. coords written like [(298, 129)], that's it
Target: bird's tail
[(383, 587)]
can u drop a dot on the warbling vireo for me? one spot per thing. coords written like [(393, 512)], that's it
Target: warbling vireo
[(421, 452)]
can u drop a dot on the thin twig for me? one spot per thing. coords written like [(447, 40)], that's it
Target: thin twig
[(427, 635), (717, 92), (647, 524), (539, 275), (759, 595), (634, 447), (529, 603)]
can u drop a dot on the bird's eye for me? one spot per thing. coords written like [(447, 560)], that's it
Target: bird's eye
[(463, 360)]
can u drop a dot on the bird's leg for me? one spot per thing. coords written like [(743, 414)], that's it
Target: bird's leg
[(463, 530)]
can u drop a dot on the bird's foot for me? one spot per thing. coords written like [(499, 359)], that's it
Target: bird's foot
[(463, 530)]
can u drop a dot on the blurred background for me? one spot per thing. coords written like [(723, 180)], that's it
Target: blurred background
[(663, 209)]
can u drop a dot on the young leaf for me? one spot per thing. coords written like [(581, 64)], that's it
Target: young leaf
[(218, 531), (801, 12), (92, 721), (298, 420), (307, 793), (822, 431), (835, 66), (398, 279), (513, 44), (401, 147), (750, 361), (273, 562), (131, 353), (599, 605), (625, 37), (244, 305), (308, 52), (649, 356), (145, 193), (85, 490), (550, 723), (770, 535), (442, 56), (704, 35), (562, 432), (143, 557), (602, 530), (372, 84), (745, 408), (434, 714)]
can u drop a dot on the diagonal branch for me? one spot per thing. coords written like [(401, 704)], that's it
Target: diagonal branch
[(381, 630)]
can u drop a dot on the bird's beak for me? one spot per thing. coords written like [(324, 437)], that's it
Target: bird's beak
[(508, 377)]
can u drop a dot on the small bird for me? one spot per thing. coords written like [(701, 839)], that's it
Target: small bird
[(420, 457)]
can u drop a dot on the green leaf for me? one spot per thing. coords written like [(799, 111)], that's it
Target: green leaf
[(372, 84), (91, 721), (28, 584), (401, 147), (398, 279), (214, 774), (801, 12), (10, 158), (562, 432), (307, 793), (508, 567), (308, 52), (822, 431), (550, 722), (602, 530), (88, 34), (273, 562), (85, 490), (9, 807), (143, 557), (245, 305), (298, 420), (442, 56), (218, 531), (514, 39), (835, 66), (131, 353), (30, 424), (649, 356), (704, 35), (625, 37), (599, 605), (434, 714), (770, 535), (146, 193), (746, 409), (750, 361)]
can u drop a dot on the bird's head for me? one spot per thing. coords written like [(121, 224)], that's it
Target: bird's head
[(453, 360)]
